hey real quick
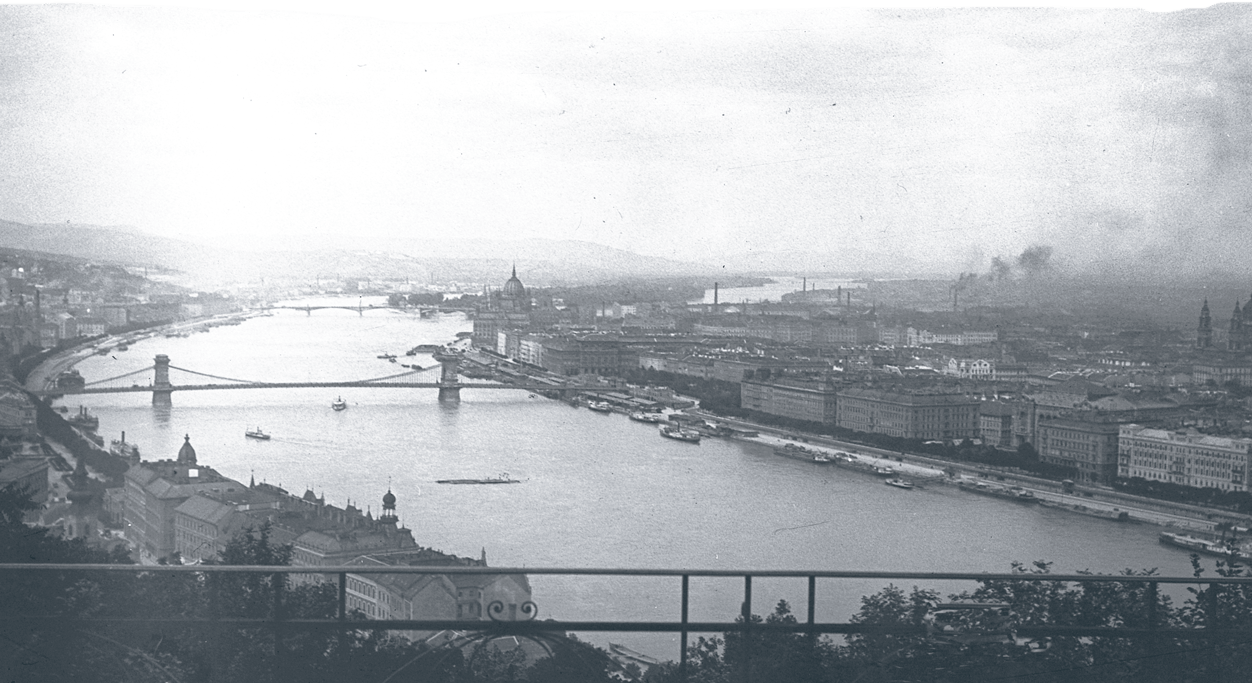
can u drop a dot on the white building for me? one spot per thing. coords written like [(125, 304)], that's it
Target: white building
[(971, 368), (1184, 458)]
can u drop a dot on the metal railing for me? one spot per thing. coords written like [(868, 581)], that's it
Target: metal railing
[(345, 620)]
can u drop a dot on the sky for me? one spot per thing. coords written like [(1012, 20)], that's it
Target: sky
[(1119, 138)]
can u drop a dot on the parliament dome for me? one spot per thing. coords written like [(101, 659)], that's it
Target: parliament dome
[(513, 289)]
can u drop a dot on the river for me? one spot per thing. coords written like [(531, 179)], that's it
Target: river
[(599, 490)]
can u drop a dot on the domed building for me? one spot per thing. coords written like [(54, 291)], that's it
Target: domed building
[(514, 291), (507, 308)]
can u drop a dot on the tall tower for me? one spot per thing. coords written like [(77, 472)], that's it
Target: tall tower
[(1204, 336), (1235, 342), (161, 393), (388, 515)]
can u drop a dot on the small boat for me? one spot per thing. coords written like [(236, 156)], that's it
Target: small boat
[(652, 418), (680, 434), (257, 434), (899, 483), (504, 478), (339, 404), (121, 449), (600, 406), (885, 471), (387, 356), (84, 419)]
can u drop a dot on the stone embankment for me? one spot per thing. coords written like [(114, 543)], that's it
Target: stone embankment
[(1095, 501)]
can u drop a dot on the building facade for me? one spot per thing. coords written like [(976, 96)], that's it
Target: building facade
[(926, 416), (813, 400), (1086, 444), (1184, 458)]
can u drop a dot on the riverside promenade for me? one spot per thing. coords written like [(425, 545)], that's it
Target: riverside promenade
[(1098, 501)]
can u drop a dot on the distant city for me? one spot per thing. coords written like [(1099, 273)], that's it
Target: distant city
[(977, 372)]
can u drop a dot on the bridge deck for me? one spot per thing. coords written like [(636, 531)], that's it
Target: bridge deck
[(299, 385)]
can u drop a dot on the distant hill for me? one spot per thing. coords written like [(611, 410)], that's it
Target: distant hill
[(540, 262)]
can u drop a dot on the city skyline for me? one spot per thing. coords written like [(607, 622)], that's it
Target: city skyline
[(824, 140)]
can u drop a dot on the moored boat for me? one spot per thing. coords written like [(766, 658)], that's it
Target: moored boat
[(121, 449), (257, 434), (653, 418), (84, 420), (1204, 545), (898, 483), (339, 404), (600, 406), (1014, 493), (680, 434)]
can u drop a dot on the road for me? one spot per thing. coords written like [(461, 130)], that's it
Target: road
[(1143, 510)]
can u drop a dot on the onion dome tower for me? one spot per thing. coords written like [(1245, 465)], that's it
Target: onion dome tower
[(388, 515), (187, 454)]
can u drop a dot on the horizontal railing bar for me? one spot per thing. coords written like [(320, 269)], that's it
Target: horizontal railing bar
[(525, 627), (727, 573)]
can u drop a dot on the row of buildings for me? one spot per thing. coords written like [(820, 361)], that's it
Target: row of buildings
[(181, 508)]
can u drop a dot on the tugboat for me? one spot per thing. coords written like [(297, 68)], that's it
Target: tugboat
[(121, 449), (257, 434), (339, 404), (680, 434), (84, 420)]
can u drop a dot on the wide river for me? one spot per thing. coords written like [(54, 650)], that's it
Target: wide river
[(599, 490)]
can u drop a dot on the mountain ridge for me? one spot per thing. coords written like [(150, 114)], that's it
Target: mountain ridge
[(543, 261)]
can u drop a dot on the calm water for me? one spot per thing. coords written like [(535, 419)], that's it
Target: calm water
[(774, 291), (599, 491)]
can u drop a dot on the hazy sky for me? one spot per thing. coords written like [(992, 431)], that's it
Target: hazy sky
[(939, 136)]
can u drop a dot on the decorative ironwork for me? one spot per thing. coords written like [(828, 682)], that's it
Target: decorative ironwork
[(528, 610)]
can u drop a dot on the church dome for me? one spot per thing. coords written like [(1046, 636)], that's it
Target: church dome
[(513, 289), (187, 454), (389, 500)]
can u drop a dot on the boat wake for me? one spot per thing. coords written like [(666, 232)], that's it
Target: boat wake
[(802, 526)]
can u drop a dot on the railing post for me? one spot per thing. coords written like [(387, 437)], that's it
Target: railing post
[(1211, 610), (682, 657), (280, 668), (1151, 598), (747, 629), (812, 610), (343, 596)]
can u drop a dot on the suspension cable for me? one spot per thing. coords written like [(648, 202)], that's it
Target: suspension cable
[(110, 379), (205, 374)]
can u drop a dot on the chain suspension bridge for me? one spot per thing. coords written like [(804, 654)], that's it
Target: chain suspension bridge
[(443, 377)]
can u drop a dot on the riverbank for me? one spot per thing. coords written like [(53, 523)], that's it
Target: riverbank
[(1091, 501)]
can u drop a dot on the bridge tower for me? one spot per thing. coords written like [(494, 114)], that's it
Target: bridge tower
[(448, 388), (161, 387)]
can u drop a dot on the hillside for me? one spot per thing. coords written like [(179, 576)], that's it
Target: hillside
[(542, 262)]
